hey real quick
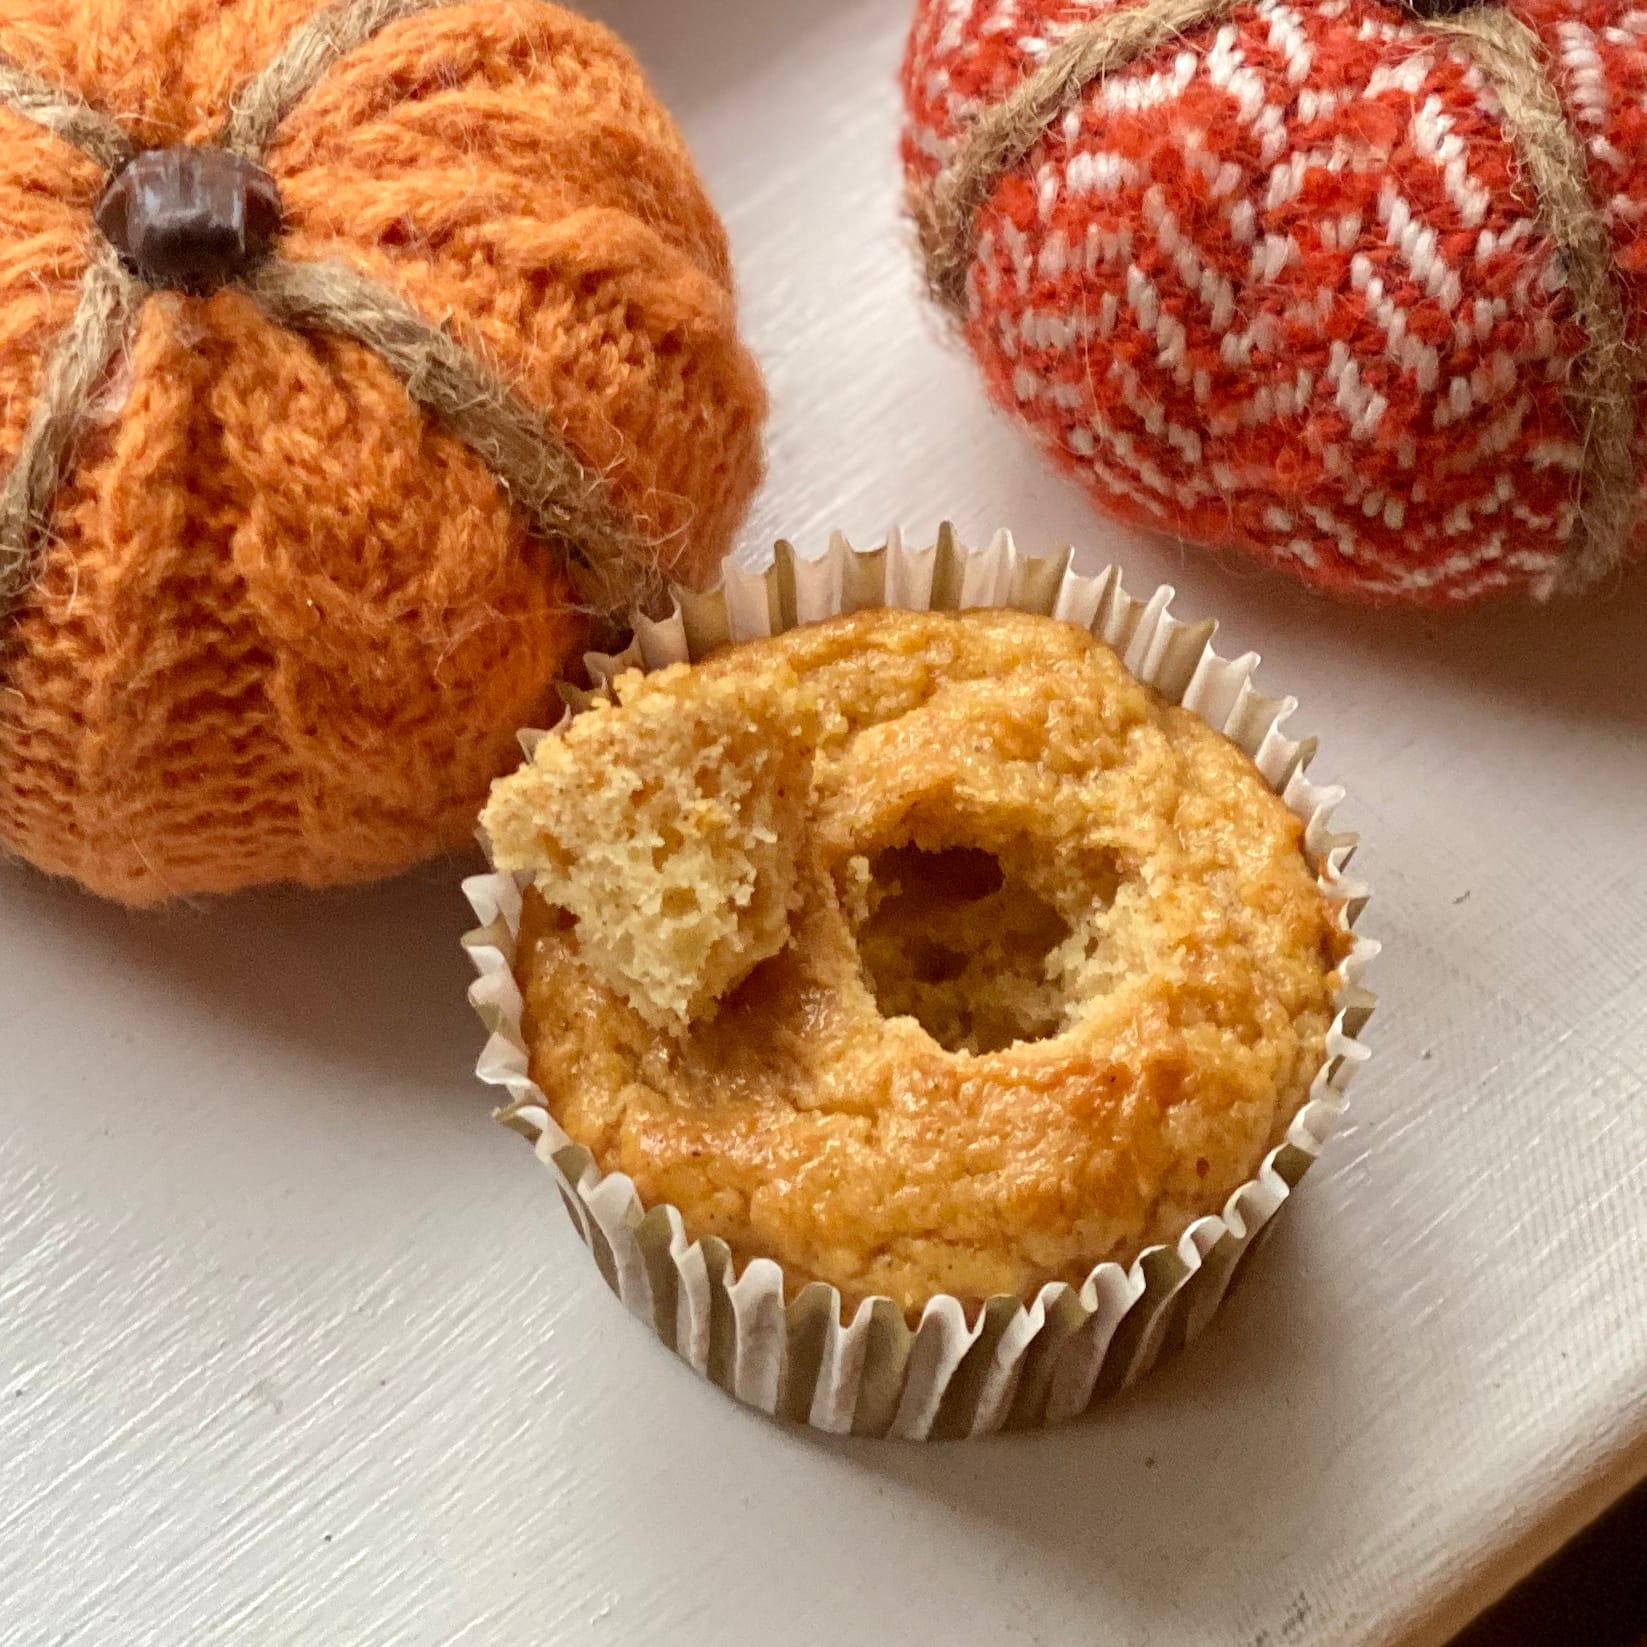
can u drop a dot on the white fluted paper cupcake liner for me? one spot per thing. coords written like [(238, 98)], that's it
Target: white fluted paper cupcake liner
[(1017, 1363)]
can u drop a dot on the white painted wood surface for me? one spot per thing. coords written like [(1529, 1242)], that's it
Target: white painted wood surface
[(295, 1347)]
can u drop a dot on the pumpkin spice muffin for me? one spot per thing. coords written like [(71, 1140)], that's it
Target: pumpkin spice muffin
[(920, 952)]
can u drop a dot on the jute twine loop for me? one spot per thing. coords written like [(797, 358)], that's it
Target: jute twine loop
[(65, 113), (1608, 381), (109, 298), (564, 504), (257, 109), (1005, 132)]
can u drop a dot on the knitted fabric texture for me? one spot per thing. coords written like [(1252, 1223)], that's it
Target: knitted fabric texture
[(1284, 282), (285, 620)]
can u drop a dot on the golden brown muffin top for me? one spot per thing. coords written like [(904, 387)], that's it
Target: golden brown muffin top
[(1057, 977)]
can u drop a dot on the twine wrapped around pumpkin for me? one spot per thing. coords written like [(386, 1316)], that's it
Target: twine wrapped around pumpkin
[(679, 401), (522, 449), (986, 112)]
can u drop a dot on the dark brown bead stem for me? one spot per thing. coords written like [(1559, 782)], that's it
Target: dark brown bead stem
[(1442, 8), (190, 217)]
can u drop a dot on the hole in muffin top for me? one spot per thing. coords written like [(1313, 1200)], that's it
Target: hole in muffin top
[(957, 942)]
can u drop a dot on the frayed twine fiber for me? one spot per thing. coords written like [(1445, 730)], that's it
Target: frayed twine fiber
[(1510, 58), (610, 563)]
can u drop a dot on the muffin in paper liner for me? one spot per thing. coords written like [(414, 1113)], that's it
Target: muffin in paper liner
[(1016, 1363)]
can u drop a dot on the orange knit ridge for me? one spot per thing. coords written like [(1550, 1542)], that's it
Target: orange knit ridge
[(287, 623)]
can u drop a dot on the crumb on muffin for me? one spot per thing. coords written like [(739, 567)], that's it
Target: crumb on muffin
[(665, 822)]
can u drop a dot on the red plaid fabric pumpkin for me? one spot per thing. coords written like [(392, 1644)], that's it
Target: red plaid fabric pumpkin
[(1281, 285)]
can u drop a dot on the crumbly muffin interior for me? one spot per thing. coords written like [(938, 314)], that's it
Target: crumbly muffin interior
[(1055, 973), (666, 822), (956, 942)]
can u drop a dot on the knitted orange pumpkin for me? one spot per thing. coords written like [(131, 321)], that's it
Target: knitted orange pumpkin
[(1356, 287), (326, 428)]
